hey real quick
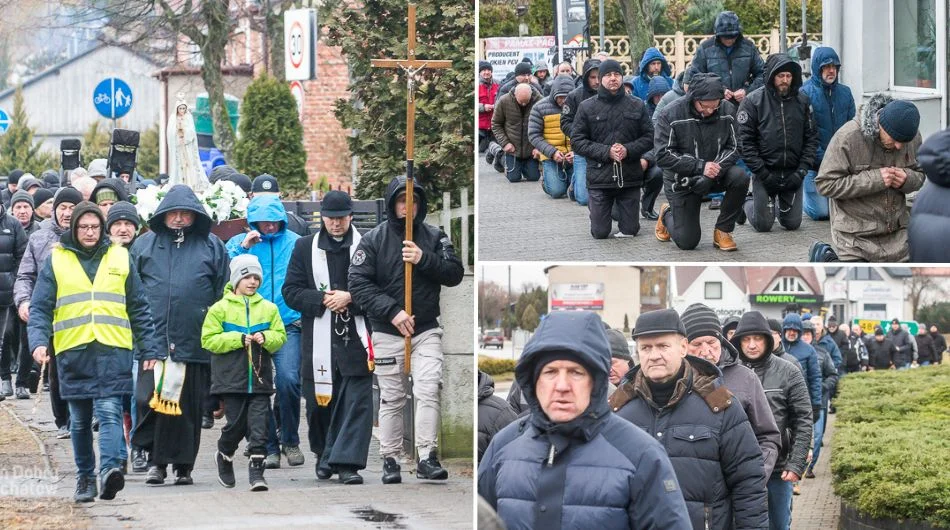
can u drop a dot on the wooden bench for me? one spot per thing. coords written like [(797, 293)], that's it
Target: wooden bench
[(366, 214)]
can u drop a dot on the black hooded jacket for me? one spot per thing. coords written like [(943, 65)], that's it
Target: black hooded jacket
[(184, 273), (777, 135), (684, 140), (13, 241), (494, 413), (786, 391), (612, 119), (377, 271), (578, 95), (929, 241)]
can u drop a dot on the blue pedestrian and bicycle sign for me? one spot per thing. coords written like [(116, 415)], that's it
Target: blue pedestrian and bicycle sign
[(112, 97), (4, 121)]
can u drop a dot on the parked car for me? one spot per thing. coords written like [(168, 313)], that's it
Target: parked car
[(493, 337)]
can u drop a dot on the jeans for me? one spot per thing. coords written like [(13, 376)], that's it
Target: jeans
[(780, 502), (815, 204), (287, 381), (134, 411), (819, 433), (556, 178), (515, 168), (579, 182), (111, 437), (924, 363)]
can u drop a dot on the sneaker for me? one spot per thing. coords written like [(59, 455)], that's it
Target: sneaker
[(112, 482), (621, 235), (86, 490), (431, 469), (22, 393), (46, 387), (62, 433), (723, 241), (293, 454), (6, 388), (183, 477), (156, 475), (207, 421), (391, 471), (139, 460), (490, 156), (796, 489), (225, 469), (821, 252), (660, 231), (809, 474), (272, 461), (350, 477), (255, 473)]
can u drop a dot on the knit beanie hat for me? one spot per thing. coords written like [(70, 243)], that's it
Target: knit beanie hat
[(245, 265), (106, 194), (619, 349), (68, 194), (21, 196), (700, 321), (550, 357), (14, 177), (41, 196), (484, 65), (775, 325), (28, 181), (609, 66), (523, 69), (123, 211), (82, 208), (900, 120)]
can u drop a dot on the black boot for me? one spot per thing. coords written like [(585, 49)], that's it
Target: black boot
[(225, 469), (207, 421), (431, 469), (156, 475), (391, 471), (112, 482), (139, 460), (349, 476), (255, 473), (85, 489), (648, 203), (183, 476)]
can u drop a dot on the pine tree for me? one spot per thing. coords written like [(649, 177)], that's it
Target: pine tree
[(445, 115), (530, 319), (271, 137), (146, 159), (16, 145), (95, 143)]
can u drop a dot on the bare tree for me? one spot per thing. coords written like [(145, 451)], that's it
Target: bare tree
[(638, 18), (923, 289)]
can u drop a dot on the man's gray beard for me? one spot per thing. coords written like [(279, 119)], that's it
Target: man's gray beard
[(783, 91)]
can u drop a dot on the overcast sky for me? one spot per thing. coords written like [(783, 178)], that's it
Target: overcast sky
[(521, 273)]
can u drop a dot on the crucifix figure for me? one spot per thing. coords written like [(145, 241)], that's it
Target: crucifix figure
[(411, 66)]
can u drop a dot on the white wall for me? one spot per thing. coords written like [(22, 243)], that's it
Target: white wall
[(734, 300)]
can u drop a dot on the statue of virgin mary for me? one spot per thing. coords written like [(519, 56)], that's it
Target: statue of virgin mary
[(184, 163)]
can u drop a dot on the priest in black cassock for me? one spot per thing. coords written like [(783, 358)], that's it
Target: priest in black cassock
[(336, 352)]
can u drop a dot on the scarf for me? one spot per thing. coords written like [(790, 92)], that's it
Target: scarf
[(323, 327), (169, 381)]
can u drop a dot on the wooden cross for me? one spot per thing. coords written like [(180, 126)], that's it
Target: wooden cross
[(411, 66)]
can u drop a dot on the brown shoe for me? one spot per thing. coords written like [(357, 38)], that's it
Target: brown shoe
[(723, 241), (661, 233)]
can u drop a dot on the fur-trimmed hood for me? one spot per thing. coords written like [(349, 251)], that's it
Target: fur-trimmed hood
[(868, 116)]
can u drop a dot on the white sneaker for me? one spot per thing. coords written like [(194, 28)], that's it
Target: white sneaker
[(621, 234)]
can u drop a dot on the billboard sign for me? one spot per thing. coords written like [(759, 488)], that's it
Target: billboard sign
[(577, 296), (504, 53)]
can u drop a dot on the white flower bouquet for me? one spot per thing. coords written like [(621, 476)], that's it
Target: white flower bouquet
[(223, 201)]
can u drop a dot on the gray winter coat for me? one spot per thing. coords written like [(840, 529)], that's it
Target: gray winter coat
[(710, 442), (868, 219), (743, 68), (38, 248), (596, 471)]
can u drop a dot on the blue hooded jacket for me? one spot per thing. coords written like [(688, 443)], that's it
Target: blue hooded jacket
[(273, 251), (806, 356), (641, 85), (595, 471), (832, 104)]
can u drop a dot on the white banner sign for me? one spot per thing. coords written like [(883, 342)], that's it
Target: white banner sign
[(505, 52), (589, 296), (300, 44)]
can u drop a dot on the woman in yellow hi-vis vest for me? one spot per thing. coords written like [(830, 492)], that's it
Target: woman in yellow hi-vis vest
[(90, 304)]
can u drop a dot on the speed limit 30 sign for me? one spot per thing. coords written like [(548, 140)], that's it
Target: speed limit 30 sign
[(300, 44)]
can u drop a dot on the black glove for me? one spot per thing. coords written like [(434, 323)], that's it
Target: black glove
[(685, 183), (772, 182), (794, 180), (815, 412)]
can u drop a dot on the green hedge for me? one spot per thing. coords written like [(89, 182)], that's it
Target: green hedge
[(493, 366), (892, 443)]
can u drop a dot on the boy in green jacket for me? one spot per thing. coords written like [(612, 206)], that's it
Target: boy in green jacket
[(243, 330)]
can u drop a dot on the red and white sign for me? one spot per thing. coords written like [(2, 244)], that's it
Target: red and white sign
[(296, 88), (300, 44), (567, 296), (505, 52)]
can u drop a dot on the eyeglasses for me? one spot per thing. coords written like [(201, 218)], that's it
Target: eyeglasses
[(88, 228), (708, 108)]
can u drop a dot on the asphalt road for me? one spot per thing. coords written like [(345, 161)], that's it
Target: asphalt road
[(519, 222)]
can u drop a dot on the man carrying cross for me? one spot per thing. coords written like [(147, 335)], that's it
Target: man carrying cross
[(377, 284)]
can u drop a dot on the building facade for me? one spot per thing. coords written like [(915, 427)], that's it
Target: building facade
[(613, 292)]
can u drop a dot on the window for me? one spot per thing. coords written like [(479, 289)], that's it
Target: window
[(713, 290), (838, 311), (875, 311), (864, 274), (788, 285), (915, 43)]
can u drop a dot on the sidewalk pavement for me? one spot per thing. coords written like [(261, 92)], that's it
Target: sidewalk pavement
[(295, 499), (519, 222), (817, 508)]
